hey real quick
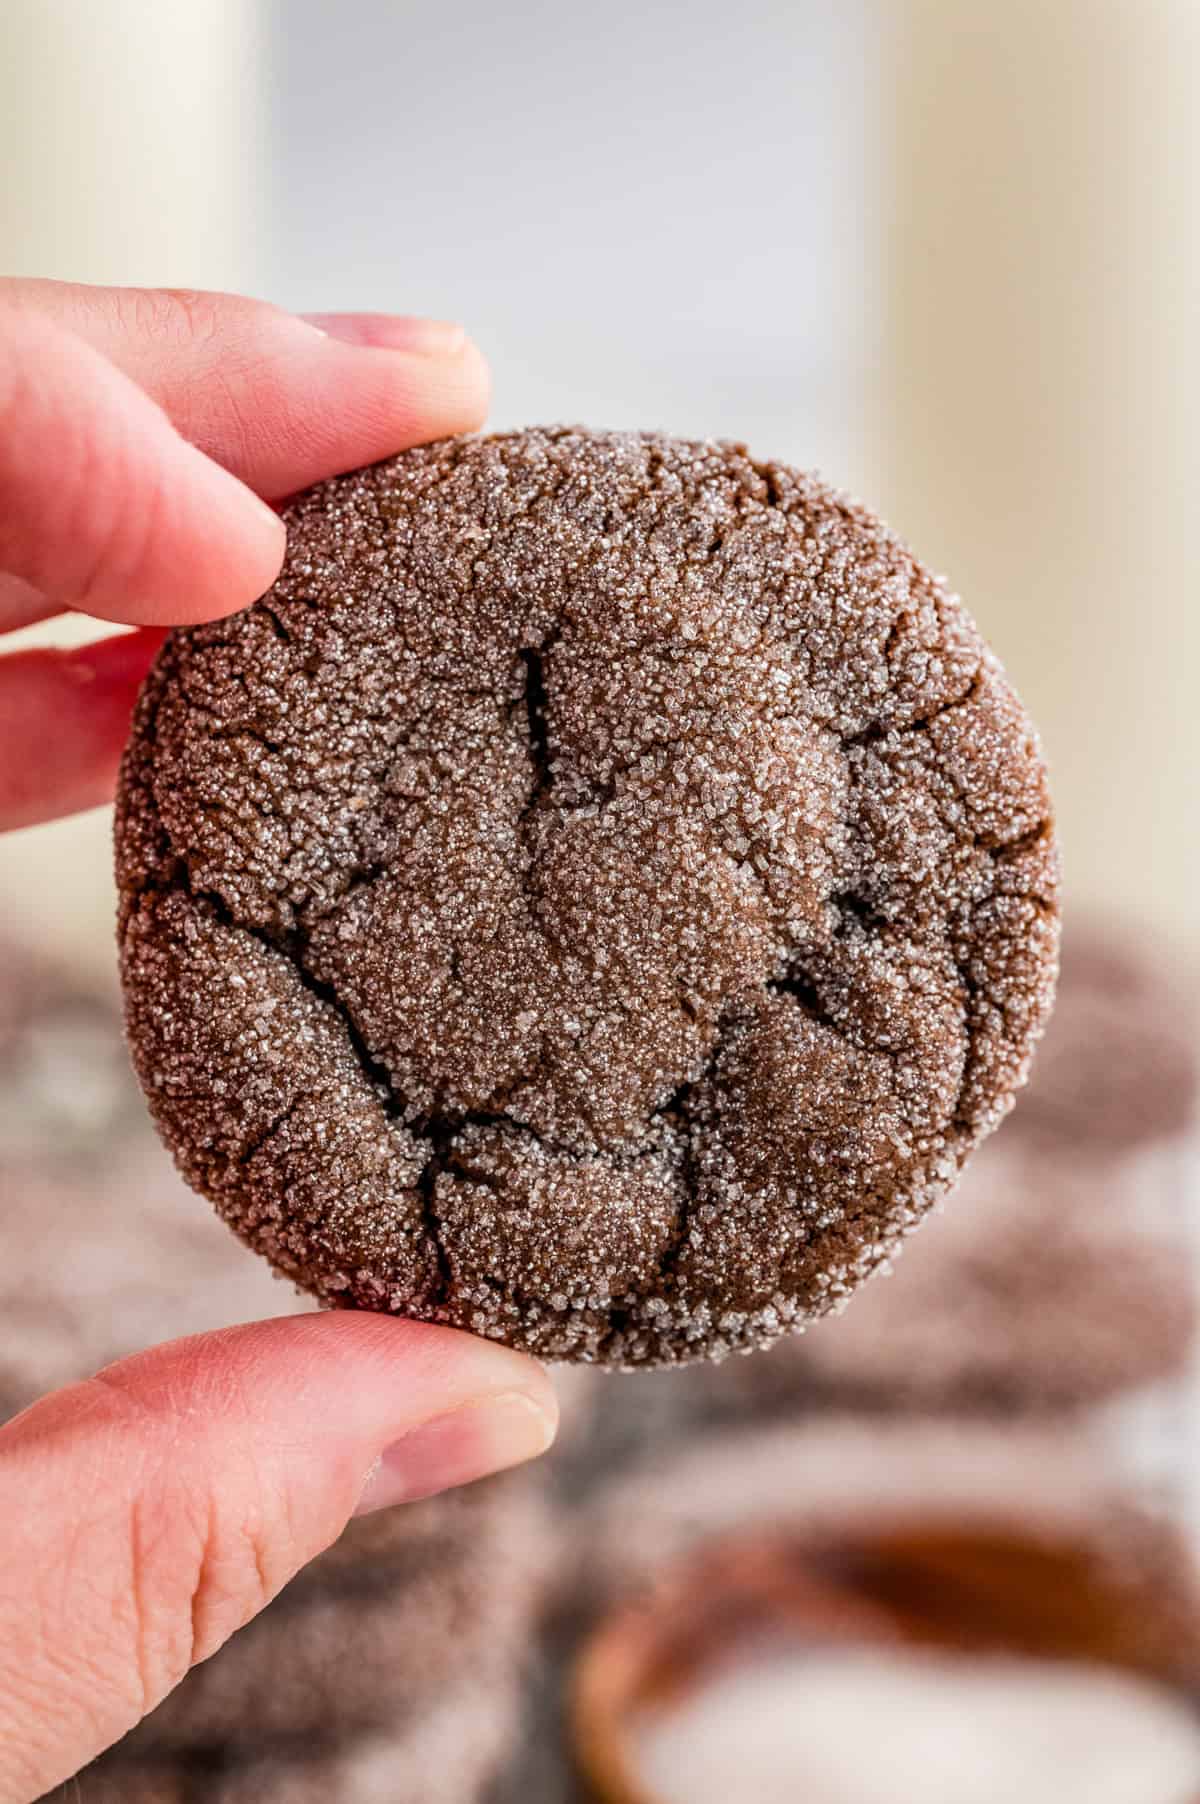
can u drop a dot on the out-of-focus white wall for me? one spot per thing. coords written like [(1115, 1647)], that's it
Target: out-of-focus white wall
[(1040, 393), (130, 139)]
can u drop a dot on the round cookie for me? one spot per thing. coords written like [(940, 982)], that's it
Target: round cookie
[(597, 898)]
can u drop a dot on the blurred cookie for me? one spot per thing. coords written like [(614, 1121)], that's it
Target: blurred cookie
[(597, 898), (1041, 1290), (1118, 1068), (449, 1755), (169, 1783), (93, 1268), (66, 1088)]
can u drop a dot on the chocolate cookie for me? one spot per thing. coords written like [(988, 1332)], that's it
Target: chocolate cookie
[(597, 898)]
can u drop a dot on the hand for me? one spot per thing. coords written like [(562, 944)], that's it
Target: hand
[(138, 430), (148, 1512)]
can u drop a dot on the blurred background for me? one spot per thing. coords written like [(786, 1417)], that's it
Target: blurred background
[(945, 253), (948, 253)]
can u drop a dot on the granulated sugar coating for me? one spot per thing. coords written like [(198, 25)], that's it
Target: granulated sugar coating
[(598, 898)]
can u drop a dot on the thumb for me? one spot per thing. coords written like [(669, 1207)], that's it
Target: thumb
[(151, 1511)]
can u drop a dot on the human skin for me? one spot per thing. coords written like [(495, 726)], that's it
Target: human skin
[(147, 1513)]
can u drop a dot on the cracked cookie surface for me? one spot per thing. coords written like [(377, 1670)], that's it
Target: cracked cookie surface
[(597, 898)]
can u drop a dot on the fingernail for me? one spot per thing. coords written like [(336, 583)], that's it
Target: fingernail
[(391, 332), (470, 1442)]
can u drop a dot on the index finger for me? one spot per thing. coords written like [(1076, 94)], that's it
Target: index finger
[(277, 400)]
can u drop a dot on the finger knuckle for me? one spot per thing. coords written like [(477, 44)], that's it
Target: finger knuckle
[(159, 1623), (198, 1574), (98, 514), (201, 1559), (237, 1574), (190, 318)]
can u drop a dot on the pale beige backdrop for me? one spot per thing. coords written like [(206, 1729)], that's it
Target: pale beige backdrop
[(1040, 392), (132, 148)]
